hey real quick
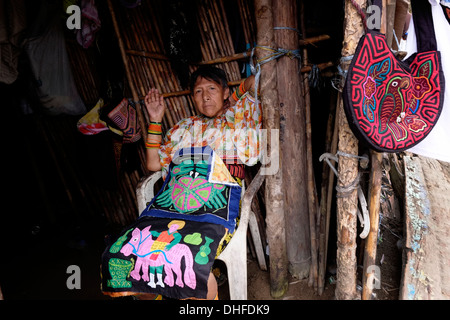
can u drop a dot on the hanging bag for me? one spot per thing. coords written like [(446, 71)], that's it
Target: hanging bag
[(391, 105), (124, 116)]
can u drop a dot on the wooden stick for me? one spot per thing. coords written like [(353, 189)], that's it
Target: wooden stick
[(326, 195), (370, 250), (152, 55), (233, 57), (313, 40), (321, 66), (311, 190)]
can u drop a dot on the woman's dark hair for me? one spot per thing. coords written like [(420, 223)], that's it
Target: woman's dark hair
[(210, 73)]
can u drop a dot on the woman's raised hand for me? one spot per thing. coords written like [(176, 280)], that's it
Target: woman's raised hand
[(154, 102)]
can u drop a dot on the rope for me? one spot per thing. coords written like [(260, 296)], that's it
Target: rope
[(274, 54), (346, 190), (339, 81), (343, 191), (289, 28), (348, 155)]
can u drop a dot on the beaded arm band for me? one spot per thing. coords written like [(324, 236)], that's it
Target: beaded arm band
[(155, 129), (152, 145), (239, 92)]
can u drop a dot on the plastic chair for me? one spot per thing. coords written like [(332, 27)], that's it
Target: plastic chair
[(235, 254)]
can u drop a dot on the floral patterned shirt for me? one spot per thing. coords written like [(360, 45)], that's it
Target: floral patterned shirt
[(233, 135)]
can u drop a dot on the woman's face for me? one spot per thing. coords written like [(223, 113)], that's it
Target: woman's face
[(209, 97)]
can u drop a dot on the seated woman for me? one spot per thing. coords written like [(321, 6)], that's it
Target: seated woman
[(170, 249)]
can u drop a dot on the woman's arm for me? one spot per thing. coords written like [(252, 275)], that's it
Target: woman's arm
[(154, 102), (247, 85)]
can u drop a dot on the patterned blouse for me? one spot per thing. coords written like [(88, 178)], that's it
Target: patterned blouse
[(233, 135)]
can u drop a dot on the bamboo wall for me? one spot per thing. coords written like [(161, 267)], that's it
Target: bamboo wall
[(149, 63)]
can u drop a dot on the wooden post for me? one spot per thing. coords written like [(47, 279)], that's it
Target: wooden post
[(370, 250), (293, 141), (389, 20), (348, 172), (274, 198)]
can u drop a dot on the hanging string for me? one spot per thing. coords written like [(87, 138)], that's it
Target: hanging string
[(314, 77), (361, 13)]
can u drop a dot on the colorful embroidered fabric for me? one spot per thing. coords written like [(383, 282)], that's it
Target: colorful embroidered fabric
[(234, 135), (392, 105), (91, 124), (170, 249), (163, 256), (198, 187), (124, 116)]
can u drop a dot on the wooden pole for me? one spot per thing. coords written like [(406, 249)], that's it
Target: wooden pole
[(293, 142), (370, 250), (347, 173), (274, 198), (389, 18)]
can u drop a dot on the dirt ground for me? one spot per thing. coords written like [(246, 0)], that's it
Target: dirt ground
[(46, 279), (259, 287)]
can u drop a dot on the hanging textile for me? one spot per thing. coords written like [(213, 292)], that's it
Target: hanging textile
[(90, 23), (170, 249), (392, 105), (50, 65)]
